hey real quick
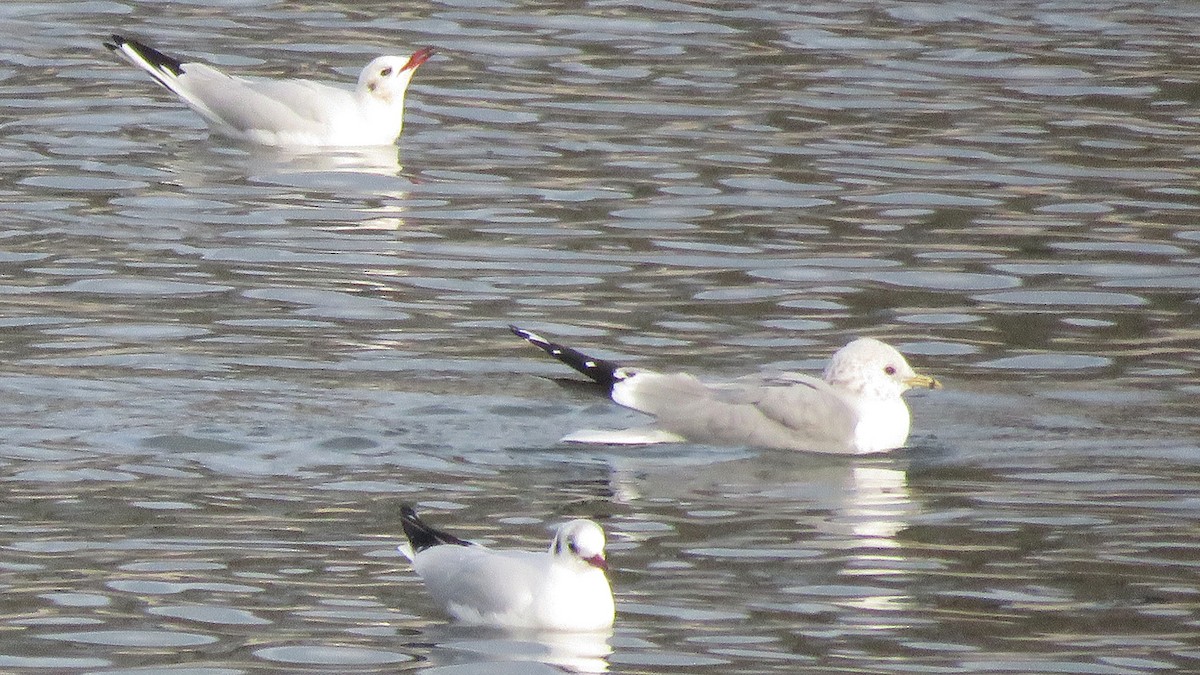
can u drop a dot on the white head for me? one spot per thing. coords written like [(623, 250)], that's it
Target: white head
[(386, 78), (872, 368), (581, 542)]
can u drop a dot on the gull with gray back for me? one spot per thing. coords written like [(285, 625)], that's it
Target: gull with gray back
[(563, 588), (286, 112), (855, 407)]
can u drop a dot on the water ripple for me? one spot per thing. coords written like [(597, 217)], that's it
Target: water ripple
[(226, 366)]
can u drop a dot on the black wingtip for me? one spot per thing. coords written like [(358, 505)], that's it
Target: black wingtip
[(601, 371), (116, 41), (149, 54), (420, 535)]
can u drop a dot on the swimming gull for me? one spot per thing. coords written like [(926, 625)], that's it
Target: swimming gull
[(563, 588), (289, 112), (854, 408)]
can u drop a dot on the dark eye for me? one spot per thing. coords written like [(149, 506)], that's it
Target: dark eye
[(890, 370), (385, 72), (571, 545)]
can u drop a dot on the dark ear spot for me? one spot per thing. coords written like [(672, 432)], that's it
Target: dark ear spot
[(371, 86), (385, 72)]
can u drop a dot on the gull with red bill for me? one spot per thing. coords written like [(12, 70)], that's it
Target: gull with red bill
[(286, 112), (563, 588)]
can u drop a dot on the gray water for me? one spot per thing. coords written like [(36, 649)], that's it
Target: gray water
[(225, 367)]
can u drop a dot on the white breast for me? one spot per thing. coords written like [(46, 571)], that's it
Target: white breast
[(883, 425)]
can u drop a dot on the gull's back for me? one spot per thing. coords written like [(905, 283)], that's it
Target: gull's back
[(790, 411), (273, 112), (478, 585)]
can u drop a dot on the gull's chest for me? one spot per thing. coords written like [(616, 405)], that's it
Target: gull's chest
[(882, 424)]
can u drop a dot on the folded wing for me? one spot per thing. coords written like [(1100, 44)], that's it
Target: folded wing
[(246, 105), (793, 412), (480, 586)]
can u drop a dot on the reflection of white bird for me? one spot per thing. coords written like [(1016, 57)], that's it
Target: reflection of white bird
[(286, 112), (563, 589), (565, 651), (854, 408)]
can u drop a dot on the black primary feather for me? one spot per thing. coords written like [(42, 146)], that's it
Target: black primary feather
[(421, 536), (601, 371), (150, 54)]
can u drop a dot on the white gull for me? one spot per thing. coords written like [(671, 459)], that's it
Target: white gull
[(289, 112), (561, 589), (854, 408)]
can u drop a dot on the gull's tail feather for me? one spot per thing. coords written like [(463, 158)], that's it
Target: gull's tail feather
[(602, 372), (421, 536)]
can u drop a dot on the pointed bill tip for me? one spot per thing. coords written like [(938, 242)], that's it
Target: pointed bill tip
[(923, 382), (418, 57), (597, 561)]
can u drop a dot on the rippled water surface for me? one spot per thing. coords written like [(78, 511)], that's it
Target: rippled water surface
[(225, 367)]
